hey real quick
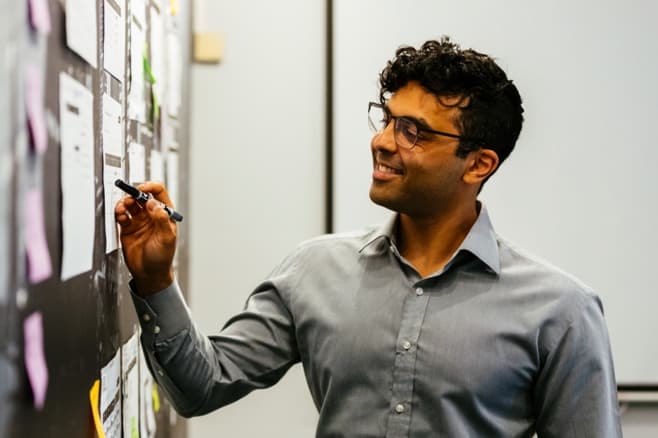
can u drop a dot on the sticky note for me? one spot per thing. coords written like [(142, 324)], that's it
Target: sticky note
[(35, 113), (39, 265), (94, 393), (156, 398), (40, 15), (35, 360), (173, 7)]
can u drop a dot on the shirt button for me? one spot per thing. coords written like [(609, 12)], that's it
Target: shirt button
[(399, 408), (146, 317), (419, 291), (406, 345), (156, 329)]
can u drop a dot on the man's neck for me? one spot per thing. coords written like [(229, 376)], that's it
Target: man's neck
[(429, 242)]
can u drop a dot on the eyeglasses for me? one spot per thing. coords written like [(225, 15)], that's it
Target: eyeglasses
[(406, 130)]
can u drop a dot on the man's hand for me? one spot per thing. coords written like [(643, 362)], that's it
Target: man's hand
[(148, 237)]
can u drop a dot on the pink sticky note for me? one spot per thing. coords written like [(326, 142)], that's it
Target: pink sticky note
[(40, 15), (35, 114), (38, 256), (35, 360)]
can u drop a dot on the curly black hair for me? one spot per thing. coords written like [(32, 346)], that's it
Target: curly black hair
[(490, 104)]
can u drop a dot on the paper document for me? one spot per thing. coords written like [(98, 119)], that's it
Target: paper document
[(174, 73), (113, 168), (138, 10), (136, 95), (147, 423), (172, 177), (136, 163), (110, 412), (130, 388), (77, 176), (157, 166), (81, 30), (157, 50), (114, 45)]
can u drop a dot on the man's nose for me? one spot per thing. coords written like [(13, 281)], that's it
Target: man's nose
[(385, 139)]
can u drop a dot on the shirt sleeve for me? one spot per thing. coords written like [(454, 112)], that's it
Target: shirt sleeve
[(198, 373), (576, 392)]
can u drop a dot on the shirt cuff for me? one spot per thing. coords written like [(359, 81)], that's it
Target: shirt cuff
[(161, 315)]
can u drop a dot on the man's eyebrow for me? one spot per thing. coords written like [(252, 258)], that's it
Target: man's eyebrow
[(419, 121)]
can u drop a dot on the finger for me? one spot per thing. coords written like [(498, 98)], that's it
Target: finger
[(126, 202), (134, 209), (123, 220), (158, 190), (126, 210), (165, 227)]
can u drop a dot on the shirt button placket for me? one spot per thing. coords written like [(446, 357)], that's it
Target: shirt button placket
[(399, 420)]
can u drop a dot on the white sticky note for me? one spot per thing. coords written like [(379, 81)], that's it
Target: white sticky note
[(114, 49), (113, 168), (81, 29), (110, 403), (136, 163), (77, 176)]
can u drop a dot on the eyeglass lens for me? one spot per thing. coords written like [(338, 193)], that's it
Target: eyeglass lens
[(405, 130)]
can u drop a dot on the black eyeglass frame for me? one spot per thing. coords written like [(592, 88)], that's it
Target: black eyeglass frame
[(419, 127)]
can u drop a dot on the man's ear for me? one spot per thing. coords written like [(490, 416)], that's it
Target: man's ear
[(481, 164)]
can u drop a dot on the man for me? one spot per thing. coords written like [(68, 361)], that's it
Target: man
[(430, 325)]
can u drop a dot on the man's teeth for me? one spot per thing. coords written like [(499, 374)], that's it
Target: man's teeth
[(386, 169)]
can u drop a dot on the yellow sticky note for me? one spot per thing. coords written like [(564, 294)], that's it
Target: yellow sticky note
[(173, 7), (94, 399), (156, 398)]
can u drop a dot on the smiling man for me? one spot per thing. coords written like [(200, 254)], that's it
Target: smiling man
[(429, 325)]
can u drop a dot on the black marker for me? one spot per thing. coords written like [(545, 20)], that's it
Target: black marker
[(143, 197)]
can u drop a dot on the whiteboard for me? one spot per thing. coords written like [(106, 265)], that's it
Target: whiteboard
[(580, 190)]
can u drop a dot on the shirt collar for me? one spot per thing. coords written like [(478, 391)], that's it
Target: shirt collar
[(381, 238), (480, 241)]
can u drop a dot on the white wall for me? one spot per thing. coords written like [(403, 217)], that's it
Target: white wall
[(257, 191), (257, 182)]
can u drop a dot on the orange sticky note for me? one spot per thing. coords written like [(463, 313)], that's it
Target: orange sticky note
[(94, 394)]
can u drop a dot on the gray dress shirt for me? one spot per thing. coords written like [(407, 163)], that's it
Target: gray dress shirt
[(496, 344)]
